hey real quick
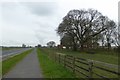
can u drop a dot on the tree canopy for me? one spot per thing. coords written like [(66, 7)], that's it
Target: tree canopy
[(85, 27), (51, 44)]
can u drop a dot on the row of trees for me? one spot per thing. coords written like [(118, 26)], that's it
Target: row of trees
[(87, 29)]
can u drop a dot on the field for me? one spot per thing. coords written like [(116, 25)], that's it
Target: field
[(8, 48), (105, 58)]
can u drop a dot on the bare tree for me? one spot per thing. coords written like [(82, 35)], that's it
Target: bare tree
[(109, 32), (116, 36), (83, 24), (69, 41)]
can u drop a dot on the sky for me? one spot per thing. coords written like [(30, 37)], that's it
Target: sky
[(35, 22)]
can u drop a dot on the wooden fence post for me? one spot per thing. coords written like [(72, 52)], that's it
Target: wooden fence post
[(59, 57), (90, 68), (55, 56), (64, 60)]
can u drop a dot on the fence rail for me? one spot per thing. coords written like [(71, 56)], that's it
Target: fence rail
[(86, 67)]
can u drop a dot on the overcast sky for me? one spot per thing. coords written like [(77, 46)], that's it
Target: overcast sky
[(34, 22)]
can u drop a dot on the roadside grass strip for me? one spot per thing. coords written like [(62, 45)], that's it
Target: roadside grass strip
[(50, 68), (9, 63)]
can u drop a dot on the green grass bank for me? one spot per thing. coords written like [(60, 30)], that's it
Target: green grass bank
[(50, 68)]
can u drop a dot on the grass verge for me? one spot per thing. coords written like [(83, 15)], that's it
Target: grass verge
[(9, 63), (51, 69)]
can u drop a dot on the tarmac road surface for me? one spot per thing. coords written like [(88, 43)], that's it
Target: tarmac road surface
[(7, 53)]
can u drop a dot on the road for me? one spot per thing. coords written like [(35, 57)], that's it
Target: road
[(7, 53)]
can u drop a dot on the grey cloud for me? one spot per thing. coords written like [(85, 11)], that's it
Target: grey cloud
[(41, 8)]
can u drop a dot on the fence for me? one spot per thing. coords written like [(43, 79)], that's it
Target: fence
[(87, 68)]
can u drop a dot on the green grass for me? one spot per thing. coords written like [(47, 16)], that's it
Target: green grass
[(104, 58), (99, 56), (50, 68), (9, 63)]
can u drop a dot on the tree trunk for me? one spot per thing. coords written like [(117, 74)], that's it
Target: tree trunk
[(82, 47), (74, 44), (74, 47), (109, 46), (102, 43)]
